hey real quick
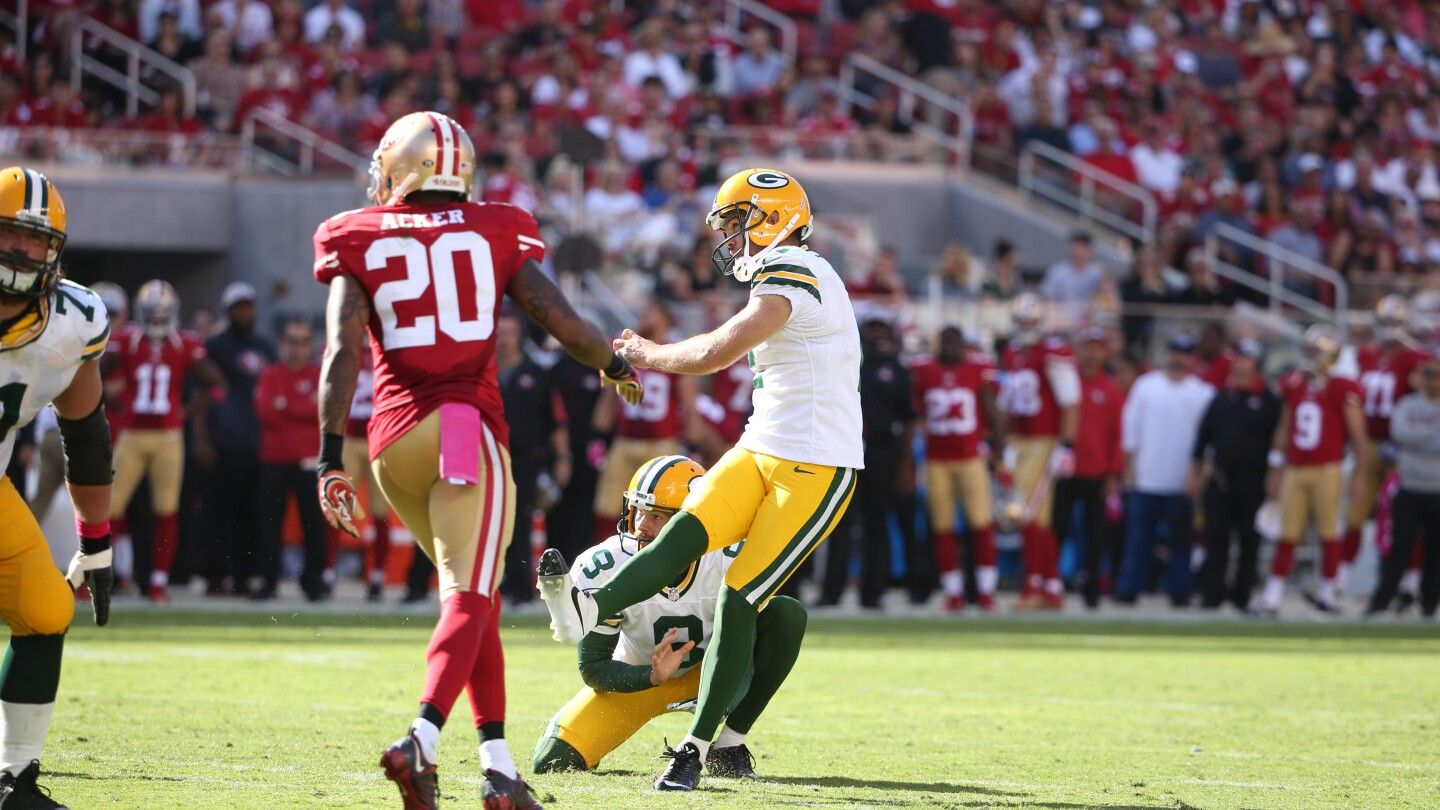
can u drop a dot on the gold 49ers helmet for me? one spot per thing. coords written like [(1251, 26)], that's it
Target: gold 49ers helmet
[(422, 151), (763, 206), (157, 309), (1321, 348), (30, 205), (660, 485), (1392, 315)]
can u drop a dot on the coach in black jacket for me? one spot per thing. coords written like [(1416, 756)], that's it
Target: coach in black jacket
[(1234, 437)]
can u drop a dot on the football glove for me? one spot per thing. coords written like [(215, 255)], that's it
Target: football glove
[(1062, 461), (94, 571), (626, 383), (339, 502)]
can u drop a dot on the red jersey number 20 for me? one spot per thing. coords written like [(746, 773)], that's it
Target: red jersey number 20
[(434, 266)]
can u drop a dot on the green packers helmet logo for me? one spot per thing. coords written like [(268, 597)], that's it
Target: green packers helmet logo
[(768, 180)]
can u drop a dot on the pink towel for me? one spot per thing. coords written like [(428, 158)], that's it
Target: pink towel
[(460, 443)]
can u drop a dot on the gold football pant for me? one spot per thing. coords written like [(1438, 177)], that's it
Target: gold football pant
[(463, 529), (1310, 493), (596, 723), (356, 458), (1032, 458), (783, 510), (966, 482), (35, 599), (158, 453)]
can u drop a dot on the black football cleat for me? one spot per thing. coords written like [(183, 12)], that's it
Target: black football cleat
[(683, 772), (1403, 602), (731, 762), (1322, 605), (405, 765), (552, 563), (503, 793), (24, 792)]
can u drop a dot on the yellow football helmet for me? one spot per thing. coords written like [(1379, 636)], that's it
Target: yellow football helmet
[(660, 485), (157, 309), (30, 204), (422, 151), (764, 206), (1392, 315)]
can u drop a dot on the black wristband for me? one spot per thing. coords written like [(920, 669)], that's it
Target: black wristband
[(94, 545), (619, 367), (332, 456)]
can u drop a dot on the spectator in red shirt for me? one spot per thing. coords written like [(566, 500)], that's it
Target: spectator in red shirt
[(14, 112), (287, 406), (1099, 461), (275, 92), (169, 116), (60, 107)]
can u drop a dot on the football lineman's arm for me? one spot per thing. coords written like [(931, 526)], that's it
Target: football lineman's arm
[(346, 314), (1359, 440), (86, 437), (714, 350), (994, 417)]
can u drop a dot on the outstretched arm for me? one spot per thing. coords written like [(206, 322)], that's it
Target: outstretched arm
[(539, 298), (714, 350), (85, 437)]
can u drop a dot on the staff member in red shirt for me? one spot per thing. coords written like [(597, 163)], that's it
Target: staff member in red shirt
[(1099, 459), (286, 404)]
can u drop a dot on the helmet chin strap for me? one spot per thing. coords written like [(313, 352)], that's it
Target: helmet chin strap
[(747, 265)]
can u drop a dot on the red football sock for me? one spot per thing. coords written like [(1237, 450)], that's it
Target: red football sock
[(486, 684), (454, 646), (1284, 558), (984, 550), (1329, 557), (947, 552), (380, 549), (119, 527), (1033, 554), (1416, 557), (1351, 548), (167, 529), (1052, 554)]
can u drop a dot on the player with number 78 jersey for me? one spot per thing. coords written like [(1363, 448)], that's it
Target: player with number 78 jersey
[(422, 272)]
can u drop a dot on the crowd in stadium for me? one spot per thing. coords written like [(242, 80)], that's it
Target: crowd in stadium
[(1311, 123)]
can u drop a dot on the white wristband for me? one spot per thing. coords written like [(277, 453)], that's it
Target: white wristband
[(1276, 458)]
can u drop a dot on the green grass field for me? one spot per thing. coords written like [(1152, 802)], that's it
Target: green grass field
[(186, 710)]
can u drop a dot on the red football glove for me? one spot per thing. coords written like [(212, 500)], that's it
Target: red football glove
[(339, 502)]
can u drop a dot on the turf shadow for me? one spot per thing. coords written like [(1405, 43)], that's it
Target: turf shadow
[(881, 784)]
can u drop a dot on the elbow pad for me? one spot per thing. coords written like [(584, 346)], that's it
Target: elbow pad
[(87, 449), (1064, 381)]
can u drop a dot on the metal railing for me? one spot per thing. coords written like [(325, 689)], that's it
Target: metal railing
[(274, 143), (1062, 179), (138, 58), (1281, 263), (122, 147), (735, 15), (909, 91)]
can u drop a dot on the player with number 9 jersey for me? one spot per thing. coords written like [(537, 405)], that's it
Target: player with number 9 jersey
[(1317, 417)]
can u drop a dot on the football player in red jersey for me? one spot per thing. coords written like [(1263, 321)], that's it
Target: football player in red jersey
[(955, 398), (151, 359), (1320, 412), (423, 271), (1387, 369), (656, 427), (1040, 393)]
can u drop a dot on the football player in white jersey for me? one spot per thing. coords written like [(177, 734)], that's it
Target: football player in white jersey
[(789, 479), (644, 662), (52, 333)]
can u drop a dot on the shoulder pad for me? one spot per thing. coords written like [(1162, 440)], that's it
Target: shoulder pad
[(80, 318)]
